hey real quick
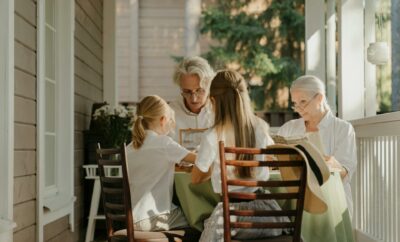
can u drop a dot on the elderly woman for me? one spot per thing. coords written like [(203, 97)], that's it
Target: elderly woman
[(334, 136), (193, 109)]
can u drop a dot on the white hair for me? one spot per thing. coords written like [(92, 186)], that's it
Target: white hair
[(312, 85), (195, 66)]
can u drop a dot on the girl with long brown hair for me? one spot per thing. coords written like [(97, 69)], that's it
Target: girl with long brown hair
[(237, 125)]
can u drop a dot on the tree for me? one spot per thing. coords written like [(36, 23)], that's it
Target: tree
[(265, 46)]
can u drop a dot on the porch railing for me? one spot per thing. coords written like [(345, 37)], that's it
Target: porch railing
[(376, 187)]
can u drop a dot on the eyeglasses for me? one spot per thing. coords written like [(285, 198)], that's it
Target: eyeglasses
[(302, 104), (196, 93)]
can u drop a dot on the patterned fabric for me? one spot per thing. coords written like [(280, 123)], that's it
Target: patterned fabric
[(214, 226), (163, 222)]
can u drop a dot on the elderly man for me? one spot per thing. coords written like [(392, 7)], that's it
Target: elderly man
[(193, 109)]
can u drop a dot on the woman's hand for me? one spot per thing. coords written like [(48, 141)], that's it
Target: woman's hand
[(186, 163), (334, 164)]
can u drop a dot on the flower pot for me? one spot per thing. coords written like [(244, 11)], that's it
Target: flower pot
[(378, 53)]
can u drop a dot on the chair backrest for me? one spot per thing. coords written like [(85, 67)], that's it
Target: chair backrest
[(116, 193), (282, 157)]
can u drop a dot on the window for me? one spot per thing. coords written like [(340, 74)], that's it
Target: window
[(50, 100), (6, 118), (55, 111)]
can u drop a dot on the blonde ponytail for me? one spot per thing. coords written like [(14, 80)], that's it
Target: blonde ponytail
[(149, 110), (138, 133)]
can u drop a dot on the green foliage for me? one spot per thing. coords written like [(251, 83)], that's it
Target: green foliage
[(384, 72), (264, 44), (384, 91)]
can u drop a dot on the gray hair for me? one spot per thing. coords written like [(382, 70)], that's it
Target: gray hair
[(310, 84), (195, 66)]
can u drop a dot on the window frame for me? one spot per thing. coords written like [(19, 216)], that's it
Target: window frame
[(54, 206), (7, 120)]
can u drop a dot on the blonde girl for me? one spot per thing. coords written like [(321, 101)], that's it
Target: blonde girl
[(235, 124), (152, 156)]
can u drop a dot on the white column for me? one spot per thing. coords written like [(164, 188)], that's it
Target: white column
[(40, 91), (65, 143), (395, 32), (351, 59), (134, 84), (370, 69), (127, 36), (315, 38), (6, 119), (331, 54), (192, 21), (110, 82)]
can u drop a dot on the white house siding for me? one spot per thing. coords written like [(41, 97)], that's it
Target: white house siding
[(25, 121), (161, 35), (88, 89)]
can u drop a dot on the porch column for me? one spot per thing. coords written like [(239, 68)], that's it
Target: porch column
[(110, 82), (315, 38), (134, 37), (192, 22), (395, 15), (351, 59), (370, 69), (127, 50), (331, 78)]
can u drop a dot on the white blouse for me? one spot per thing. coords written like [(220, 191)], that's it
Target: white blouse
[(151, 170), (186, 119), (208, 155), (338, 139)]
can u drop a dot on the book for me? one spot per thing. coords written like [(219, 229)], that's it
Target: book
[(312, 139), (278, 139), (311, 143)]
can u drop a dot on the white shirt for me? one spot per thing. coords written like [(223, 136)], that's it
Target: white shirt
[(186, 119), (208, 155), (151, 174), (338, 139)]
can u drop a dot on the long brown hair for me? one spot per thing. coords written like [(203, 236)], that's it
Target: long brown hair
[(232, 107), (148, 111)]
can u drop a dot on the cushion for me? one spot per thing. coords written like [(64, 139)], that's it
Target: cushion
[(176, 235)]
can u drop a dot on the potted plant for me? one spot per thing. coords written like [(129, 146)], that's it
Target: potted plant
[(378, 52), (112, 125)]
